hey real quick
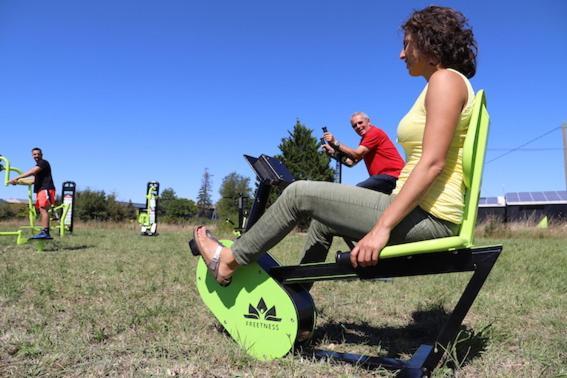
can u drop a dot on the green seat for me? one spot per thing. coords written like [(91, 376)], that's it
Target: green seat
[(473, 160)]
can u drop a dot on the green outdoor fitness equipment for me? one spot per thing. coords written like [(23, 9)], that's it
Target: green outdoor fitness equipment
[(68, 198), (19, 234), (62, 215), (147, 218), (264, 317), (267, 312)]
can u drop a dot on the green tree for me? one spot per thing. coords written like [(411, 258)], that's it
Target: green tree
[(179, 209), (166, 196), (6, 211), (173, 209), (91, 205), (117, 211), (204, 201), (233, 185), (301, 155), (131, 211)]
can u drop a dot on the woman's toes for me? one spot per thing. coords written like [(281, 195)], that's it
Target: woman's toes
[(206, 245)]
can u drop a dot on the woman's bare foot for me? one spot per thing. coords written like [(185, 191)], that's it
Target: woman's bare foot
[(208, 245)]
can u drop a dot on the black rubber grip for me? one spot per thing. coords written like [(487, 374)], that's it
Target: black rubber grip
[(323, 141), (343, 258)]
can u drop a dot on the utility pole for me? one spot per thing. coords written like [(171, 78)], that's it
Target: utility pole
[(564, 130)]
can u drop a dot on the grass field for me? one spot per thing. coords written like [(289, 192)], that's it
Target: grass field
[(106, 301)]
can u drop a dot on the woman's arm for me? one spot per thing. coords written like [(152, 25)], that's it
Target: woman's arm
[(445, 98)]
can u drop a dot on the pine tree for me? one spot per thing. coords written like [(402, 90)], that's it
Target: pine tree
[(204, 202), (301, 155)]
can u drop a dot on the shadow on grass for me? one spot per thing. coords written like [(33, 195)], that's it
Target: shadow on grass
[(65, 248), (403, 341)]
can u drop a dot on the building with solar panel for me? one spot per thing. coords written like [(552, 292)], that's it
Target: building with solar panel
[(535, 205), (524, 206), (493, 208)]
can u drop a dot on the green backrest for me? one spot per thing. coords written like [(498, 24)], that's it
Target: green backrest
[(473, 161), (474, 151)]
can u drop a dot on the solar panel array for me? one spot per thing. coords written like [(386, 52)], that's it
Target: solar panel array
[(525, 198), (536, 197), (491, 201)]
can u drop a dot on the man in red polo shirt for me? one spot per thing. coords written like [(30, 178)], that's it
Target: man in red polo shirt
[(381, 157)]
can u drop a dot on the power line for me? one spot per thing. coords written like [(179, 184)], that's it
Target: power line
[(523, 145)]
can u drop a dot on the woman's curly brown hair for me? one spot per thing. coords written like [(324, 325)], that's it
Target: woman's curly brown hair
[(444, 33)]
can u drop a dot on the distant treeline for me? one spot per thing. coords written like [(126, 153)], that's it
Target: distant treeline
[(89, 205), (299, 152)]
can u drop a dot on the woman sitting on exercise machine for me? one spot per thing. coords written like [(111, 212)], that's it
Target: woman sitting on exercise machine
[(429, 197)]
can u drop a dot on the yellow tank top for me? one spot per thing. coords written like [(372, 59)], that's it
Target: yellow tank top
[(445, 197)]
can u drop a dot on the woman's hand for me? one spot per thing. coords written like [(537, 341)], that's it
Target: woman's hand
[(367, 250)]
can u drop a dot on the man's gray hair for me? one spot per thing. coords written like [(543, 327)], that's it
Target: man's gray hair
[(362, 114)]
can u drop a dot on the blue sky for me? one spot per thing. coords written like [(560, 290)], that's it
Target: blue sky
[(118, 93)]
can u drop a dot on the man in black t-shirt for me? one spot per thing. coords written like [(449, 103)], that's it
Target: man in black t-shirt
[(43, 188)]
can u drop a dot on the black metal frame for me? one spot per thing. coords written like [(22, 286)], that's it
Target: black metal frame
[(338, 176), (241, 203), (425, 359), (269, 173)]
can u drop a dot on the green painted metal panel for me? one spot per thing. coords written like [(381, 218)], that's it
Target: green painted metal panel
[(254, 309)]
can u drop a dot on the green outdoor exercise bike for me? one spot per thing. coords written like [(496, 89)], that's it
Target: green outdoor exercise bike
[(266, 310)]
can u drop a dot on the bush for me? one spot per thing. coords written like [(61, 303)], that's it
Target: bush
[(97, 206), (6, 211), (179, 210), (172, 209), (13, 210)]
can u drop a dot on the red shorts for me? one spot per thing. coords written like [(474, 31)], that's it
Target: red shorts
[(45, 198)]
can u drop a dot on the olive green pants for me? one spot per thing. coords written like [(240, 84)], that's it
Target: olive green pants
[(336, 210)]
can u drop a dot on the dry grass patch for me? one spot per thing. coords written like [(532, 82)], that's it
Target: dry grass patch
[(107, 301)]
